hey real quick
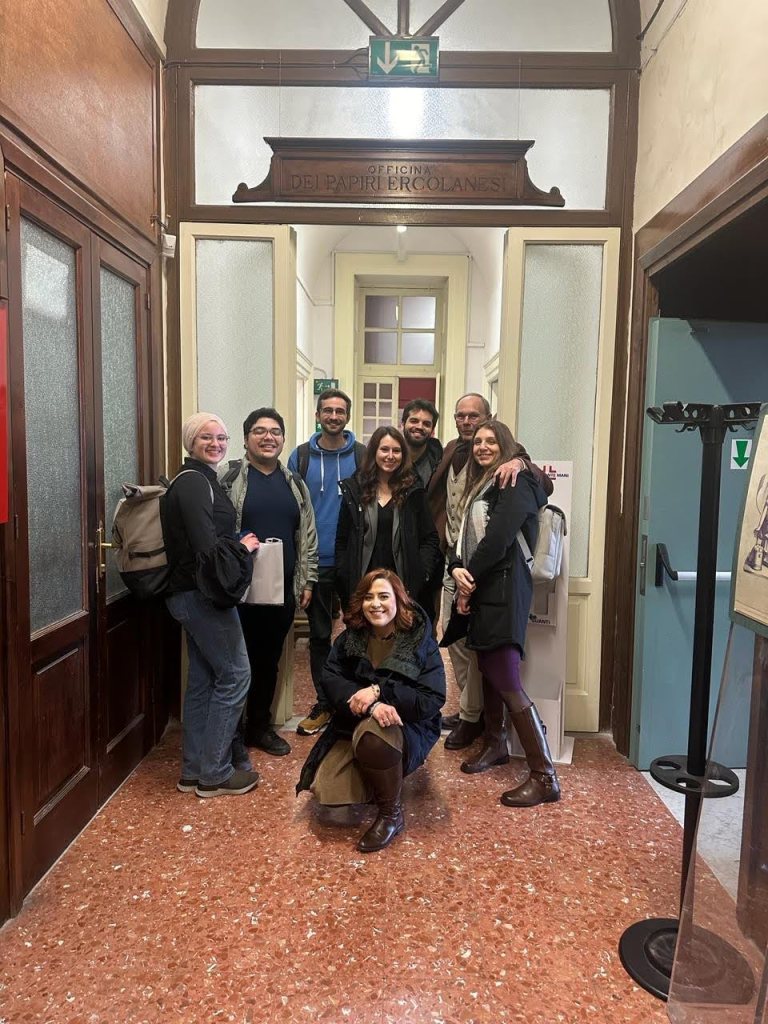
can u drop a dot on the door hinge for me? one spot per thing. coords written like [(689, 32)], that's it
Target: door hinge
[(7, 217), (148, 301), (15, 526)]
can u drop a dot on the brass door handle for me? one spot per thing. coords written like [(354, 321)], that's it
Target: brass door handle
[(101, 547)]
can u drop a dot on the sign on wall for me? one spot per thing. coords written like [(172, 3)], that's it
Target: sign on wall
[(408, 57), (456, 171)]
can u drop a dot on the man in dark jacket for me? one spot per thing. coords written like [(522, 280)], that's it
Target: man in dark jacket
[(418, 425), (444, 493)]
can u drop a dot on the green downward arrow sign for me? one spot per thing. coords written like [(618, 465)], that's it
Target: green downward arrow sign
[(741, 458)]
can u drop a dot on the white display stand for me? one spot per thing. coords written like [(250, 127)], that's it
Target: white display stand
[(543, 670)]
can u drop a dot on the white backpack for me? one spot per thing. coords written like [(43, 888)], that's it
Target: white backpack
[(545, 563)]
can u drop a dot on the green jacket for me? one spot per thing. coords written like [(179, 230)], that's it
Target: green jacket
[(305, 574)]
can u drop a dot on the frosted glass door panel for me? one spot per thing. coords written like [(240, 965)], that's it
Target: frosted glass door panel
[(119, 400), (570, 127), (558, 370), (548, 25), (298, 25), (234, 328), (52, 407)]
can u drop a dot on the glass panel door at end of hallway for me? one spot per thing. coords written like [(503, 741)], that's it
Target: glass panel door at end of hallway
[(688, 361)]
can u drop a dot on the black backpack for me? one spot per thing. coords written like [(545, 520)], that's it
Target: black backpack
[(302, 457)]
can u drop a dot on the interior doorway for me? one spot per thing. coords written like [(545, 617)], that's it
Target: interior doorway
[(710, 344)]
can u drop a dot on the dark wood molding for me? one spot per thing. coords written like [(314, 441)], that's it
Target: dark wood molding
[(739, 171), (368, 18), (138, 30), (3, 232), (411, 217), (413, 171), (625, 117), (431, 25)]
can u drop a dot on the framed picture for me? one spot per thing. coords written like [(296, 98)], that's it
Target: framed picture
[(749, 579)]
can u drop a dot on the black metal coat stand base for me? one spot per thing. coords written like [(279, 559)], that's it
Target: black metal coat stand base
[(647, 948)]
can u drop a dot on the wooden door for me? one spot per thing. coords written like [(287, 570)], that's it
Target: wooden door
[(122, 454), (52, 416), (79, 693)]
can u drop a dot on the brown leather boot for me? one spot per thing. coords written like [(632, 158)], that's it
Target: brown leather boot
[(387, 786), (541, 786), (494, 749)]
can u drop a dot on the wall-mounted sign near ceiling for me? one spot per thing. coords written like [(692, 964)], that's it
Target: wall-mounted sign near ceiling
[(403, 57), (461, 172)]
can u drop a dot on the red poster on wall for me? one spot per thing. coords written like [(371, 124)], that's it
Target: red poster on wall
[(3, 411)]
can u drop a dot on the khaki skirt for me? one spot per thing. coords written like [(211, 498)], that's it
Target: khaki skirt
[(338, 779)]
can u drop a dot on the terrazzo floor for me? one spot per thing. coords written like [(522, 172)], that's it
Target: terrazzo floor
[(254, 909)]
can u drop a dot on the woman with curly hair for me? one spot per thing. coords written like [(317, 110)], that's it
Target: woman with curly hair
[(385, 522), (385, 681)]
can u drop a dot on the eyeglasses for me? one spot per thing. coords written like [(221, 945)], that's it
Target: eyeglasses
[(263, 431), (221, 438), (466, 415)]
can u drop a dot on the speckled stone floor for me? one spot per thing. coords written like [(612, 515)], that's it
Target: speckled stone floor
[(254, 909)]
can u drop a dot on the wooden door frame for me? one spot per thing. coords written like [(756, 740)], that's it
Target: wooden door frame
[(728, 189)]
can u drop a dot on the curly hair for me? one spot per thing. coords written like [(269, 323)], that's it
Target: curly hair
[(401, 479), (354, 617), (477, 475)]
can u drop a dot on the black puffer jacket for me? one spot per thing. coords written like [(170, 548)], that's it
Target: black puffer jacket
[(418, 559), (499, 607), (412, 679)]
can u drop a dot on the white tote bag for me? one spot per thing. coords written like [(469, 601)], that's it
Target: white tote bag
[(267, 582)]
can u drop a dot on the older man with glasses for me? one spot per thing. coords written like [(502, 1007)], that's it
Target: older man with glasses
[(445, 491), (271, 501)]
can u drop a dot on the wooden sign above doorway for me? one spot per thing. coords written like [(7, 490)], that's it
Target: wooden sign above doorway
[(456, 171)]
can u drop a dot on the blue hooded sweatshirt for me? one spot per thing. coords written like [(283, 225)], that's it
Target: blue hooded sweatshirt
[(325, 470)]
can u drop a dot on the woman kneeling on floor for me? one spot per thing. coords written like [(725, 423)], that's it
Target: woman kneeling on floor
[(385, 680)]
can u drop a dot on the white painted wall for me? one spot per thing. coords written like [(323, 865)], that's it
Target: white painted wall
[(153, 13), (704, 84), (315, 248)]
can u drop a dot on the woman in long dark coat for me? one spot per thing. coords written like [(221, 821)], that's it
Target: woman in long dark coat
[(385, 681), (385, 522), (495, 589)]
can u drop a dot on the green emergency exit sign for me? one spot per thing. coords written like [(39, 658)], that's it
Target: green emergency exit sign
[(406, 57)]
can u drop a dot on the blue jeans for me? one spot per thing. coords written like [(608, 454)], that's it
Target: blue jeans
[(217, 685)]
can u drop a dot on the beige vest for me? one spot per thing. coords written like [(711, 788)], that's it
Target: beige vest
[(454, 491)]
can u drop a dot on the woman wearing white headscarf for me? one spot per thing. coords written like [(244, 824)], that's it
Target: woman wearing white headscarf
[(210, 571)]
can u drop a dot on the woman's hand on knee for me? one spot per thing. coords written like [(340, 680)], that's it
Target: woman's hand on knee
[(362, 699), (386, 715)]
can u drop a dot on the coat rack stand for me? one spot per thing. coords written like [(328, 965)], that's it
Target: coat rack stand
[(647, 948)]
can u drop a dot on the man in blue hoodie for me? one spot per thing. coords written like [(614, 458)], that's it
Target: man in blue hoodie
[(327, 458)]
